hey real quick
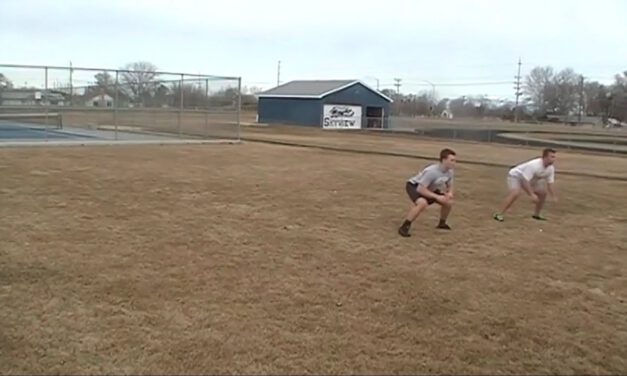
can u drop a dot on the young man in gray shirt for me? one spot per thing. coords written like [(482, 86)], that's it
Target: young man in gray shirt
[(433, 184)]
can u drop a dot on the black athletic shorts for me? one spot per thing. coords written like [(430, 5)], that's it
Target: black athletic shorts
[(412, 192)]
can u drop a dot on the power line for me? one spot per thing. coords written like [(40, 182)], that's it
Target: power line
[(493, 83)]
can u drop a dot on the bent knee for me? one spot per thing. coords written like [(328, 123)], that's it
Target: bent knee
[(515, 192), (421, 202)]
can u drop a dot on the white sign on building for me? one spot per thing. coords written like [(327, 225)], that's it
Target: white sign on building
[(337, 116)]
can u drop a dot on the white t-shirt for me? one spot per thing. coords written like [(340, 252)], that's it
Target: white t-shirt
[(533, 171), (433, 178)]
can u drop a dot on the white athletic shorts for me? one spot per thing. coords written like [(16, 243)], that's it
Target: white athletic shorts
[(513, 183)]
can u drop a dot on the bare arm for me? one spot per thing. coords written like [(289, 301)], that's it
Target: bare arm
[(550, 187), (450, 190), (527, 175), (526, 186), (424, 192)]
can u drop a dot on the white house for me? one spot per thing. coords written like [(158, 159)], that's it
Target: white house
[(100, 100)]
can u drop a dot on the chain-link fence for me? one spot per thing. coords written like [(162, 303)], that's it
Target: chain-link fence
[(591, 135), (43, 102)]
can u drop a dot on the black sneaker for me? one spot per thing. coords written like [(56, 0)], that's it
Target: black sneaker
[(538, 217), (404, 232), (444, 226)]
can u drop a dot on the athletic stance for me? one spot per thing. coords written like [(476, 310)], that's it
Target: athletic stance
[(433, 184), (536, 177)]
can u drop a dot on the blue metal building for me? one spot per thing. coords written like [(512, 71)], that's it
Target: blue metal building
[(331, 104)]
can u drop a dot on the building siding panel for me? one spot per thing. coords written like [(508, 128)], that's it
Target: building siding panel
[(295, 111)]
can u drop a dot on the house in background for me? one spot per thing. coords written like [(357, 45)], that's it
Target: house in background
[(32, 97), (95, 96), (100, 100)]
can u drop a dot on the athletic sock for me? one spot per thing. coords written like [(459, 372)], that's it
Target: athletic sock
[(442, 222)]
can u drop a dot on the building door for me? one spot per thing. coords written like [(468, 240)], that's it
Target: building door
[(374, 117)]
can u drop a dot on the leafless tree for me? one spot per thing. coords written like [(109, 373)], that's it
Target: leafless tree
[(621, 80), (224, 98), (567, 88), (538, 87), (104, 80), (5, 83), (618, 97), (441, 106), (194, 96), (139, 80), (596, 98), (551, 92), (389, 93), (254, 90)]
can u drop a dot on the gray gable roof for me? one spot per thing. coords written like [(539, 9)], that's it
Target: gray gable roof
[(314, 89)]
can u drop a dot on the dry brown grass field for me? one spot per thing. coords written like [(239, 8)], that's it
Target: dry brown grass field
[(201, 123), (222, 124), (573, 162), (192, 123), (474, 123), (257, 258)]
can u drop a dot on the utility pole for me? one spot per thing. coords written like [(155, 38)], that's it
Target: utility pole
[(278, 74), (517, 92), (581, 98), (397, 83)]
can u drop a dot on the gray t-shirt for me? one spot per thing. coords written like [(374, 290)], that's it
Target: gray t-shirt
[(433, 178)]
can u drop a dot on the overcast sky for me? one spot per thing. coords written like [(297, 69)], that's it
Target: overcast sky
[(445, 42)]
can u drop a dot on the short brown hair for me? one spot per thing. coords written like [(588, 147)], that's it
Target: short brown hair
[(444, 153), (548, 151)]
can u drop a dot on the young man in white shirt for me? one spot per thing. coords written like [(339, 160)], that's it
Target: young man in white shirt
[(536, 178), (432, 184)]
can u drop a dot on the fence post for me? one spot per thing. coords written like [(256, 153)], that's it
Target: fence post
[(207, 108), (239, 106), (71, 86), (181, 105), (115, 105), (43, 97)]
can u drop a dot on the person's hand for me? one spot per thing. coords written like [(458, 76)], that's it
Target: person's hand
[(442, 199), (449, 195)]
